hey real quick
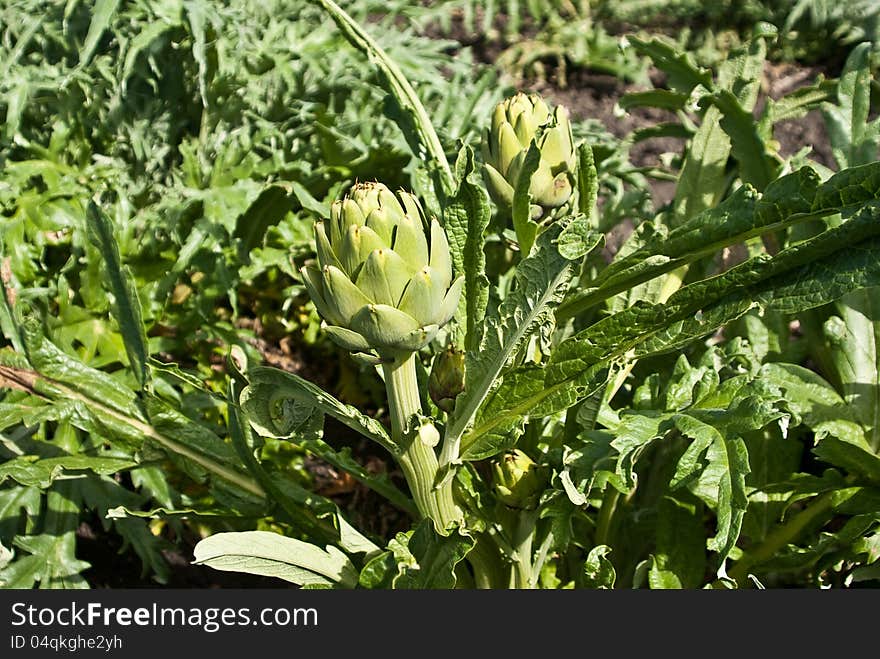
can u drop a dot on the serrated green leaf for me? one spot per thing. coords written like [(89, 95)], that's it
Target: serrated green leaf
[(702, 179), (196, 14), (466, 217), (853, 141), (683, 73), (197, 449), (756, 165), (786, 196), (598, 570), (53, 365), (541, 280), (267, 210), (797, 103), (31, 470), (843, 341), (722, 484), (140, 44), (49, 559), (526, 382), (578, 239), (435, 556), (741, 216), (590, 465), (632, 436), (102, 15), (126, 304), (18, 502), (694, 460), (587, 184), (807, 275), (849, 188)]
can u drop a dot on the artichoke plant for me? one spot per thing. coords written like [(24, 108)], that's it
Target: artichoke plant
[(380, 283), (383, 284), (516, 122)]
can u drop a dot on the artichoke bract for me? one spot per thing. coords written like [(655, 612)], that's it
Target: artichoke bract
[(383, 278), (517, 121)]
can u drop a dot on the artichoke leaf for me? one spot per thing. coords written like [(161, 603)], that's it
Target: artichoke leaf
[(323, 248), (315, 286), (383, 277), (441, 260), (450, 302), (498, 186), (342, 295), (385, 327), (382, 222), (410, 243), (423, 297), (345, 338)]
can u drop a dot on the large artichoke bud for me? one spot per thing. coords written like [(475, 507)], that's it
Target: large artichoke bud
[(518, 480), (515, 123), (379, 283)]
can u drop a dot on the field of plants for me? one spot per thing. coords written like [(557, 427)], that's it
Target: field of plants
[(440, 294)]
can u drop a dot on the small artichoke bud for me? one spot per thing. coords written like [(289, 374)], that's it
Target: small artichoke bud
[(383, 278), (428, 433), (447, 378), (518, 480), (515, 123)]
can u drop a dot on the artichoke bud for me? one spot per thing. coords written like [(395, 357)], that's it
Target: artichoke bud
[(516, 122), (518, 481), (428, 433), (383, 279), (447, 378)]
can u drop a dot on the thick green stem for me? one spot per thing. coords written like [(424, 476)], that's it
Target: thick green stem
[(417, 460), (606, 515), (486, 563), (522, 575), (783, 535)]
